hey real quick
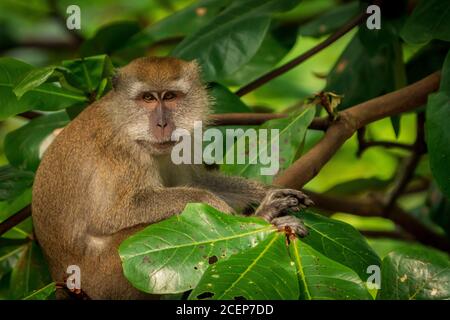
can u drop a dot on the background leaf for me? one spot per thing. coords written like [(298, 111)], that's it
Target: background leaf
[(429, 20), (23, 146), (47, 96), (219, 48), (414, 274), (438, 135)]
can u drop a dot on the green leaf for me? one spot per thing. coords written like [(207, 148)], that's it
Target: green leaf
[(438, 137), (263, 272), (226, 101), (172, 255), (277, 43), (33, 79), (10, 252), (427, 60), (330, 21), (14, 182), (23, 146), (340, 242), (232, 38), (370, 66), (30, 272), (437, 133), (47, 96), (415, 274), (321, 278), (45, 293), (88, 73), (292, 131), (191, 18), (109, 38), (429, 20)]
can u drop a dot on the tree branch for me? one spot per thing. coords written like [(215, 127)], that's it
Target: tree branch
[(350, 120), (295, 62), (372, 207)]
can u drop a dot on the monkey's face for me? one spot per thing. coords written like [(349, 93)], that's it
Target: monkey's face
[(160, 95)]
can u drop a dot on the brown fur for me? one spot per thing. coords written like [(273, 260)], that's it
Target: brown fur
[(97, 185)]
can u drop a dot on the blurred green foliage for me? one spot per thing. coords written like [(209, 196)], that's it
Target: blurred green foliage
[(47, 68)]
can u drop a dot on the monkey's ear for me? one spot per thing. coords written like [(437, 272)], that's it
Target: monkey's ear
[(194, 68)]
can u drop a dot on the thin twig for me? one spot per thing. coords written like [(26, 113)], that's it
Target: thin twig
[(15, 219), (406, 171), (308, 54), (259, 118)]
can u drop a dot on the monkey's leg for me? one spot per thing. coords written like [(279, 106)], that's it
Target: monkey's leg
[(279, 202)]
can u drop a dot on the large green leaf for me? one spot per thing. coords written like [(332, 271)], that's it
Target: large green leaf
[(232, 38), (322, 278), (30, 273), (88, 73), (47, 96), (262, 272), (191, 18), (438, 135), (340, 242), (109, 38), (171, 256), (292, 131), (429, 20), (415, 274), (23, 146), (330, 21), (277, 43), (14, 182)]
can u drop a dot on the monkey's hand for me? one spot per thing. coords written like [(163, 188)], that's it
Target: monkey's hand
[(277, 203)]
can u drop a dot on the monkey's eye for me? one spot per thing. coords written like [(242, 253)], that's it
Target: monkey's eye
[(148, 97), (169, 95)]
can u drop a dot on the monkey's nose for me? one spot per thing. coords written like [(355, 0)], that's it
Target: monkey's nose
[(162, 124)]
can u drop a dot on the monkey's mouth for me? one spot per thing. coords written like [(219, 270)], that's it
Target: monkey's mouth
[(160, 145), (163, 145)]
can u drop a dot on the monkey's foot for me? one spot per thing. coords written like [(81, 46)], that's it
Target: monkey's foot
[(279, 202), (291, 224)]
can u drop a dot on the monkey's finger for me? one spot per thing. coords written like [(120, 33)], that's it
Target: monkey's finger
[(294, 223)]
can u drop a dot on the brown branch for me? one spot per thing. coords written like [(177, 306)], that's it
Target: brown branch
[(372, 207), (14, 220), (225, 119), (350, 120), (296, 61)]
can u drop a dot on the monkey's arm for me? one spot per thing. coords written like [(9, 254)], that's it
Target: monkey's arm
[(147, 206), (238, 192)]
